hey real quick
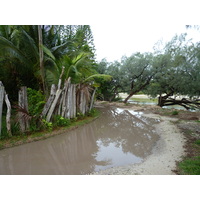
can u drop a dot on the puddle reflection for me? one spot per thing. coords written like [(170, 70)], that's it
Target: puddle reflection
[(119, 137)]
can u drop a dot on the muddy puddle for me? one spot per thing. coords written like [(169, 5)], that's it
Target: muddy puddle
[(119, 137)]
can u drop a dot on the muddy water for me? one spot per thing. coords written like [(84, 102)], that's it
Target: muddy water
[(119, 137)]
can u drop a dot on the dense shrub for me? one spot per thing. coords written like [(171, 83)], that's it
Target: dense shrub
[(36, 101)]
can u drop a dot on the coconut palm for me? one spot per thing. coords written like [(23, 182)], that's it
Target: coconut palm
[(69, 46)]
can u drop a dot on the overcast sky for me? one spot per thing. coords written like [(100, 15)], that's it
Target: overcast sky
[(112, 41), (120, 27)]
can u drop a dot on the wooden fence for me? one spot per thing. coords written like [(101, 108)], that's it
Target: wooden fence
[(66, 102), (1, 103)]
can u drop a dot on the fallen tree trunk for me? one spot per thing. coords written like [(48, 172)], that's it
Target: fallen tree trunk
[(187, 104)]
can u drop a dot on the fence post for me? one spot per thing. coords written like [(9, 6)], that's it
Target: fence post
[(49, 101), (23, 104), (73, 101), (8, 115), (92, 99), (1, 103)]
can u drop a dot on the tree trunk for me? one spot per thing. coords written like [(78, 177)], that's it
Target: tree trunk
[(187, 104), (1, 104), (132, 92), (8, 115), (129, 96), (41, 58), (162, 99), (60, 78)]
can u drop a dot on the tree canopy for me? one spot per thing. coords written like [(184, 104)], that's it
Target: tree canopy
[(172, 70)]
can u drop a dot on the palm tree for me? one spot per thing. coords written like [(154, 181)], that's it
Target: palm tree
[(21, 55)]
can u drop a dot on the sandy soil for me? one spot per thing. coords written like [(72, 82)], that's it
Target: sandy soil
[(167, 151)]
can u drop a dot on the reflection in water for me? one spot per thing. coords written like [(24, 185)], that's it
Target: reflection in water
[(118, 137)]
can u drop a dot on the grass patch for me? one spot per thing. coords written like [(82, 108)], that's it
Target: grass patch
[(197, 142), (175, 112), (190, 166), (39, 135), (144, 100)]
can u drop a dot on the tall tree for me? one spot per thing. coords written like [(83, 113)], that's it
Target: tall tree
[(137, 72), (178, 69), (41, 57)]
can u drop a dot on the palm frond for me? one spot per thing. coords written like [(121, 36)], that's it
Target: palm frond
[(23, 113), (8, 48), (60, 50), (48, 52), (29, 44), (102, 76)]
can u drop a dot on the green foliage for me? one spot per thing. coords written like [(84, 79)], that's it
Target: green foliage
[(19, 49), (35, 101), (47, 125), (170, 70), (175, 112), (197, 142), (14, 128), (93, 113), (177, 68), (80, 115), (109, 88), (61, 121), (3, 130)]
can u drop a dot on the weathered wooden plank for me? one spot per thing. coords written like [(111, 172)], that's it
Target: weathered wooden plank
[(20, 114), (78, 98), (59, 109), (8, 115), (2, 90), (49, 101), (82, 102), (23, 115), (92, 99), (67, 114), (74, 101), (64, 103), (53, 105)]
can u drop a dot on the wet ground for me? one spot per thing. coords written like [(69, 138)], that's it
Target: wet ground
[(119, 137)]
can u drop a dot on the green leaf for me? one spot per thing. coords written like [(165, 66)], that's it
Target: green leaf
[(48, 52)]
